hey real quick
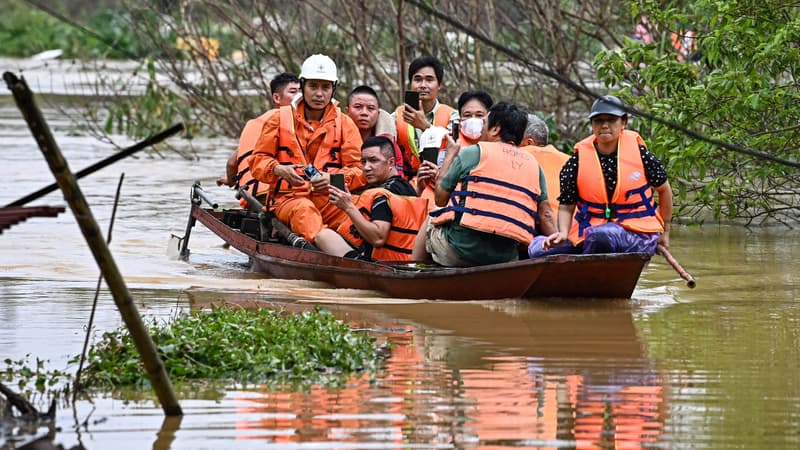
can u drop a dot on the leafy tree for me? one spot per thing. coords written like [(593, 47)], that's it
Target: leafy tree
[(737, 84)]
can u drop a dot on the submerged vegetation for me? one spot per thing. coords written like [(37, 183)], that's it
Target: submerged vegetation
[(234, 345)]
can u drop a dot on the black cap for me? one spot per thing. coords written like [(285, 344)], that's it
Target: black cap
[(608, 104)]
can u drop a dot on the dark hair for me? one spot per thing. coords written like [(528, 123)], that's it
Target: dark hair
[(481, 96), (426, 61), (382, 142), (363, 89), (281, 80), (512, 119)]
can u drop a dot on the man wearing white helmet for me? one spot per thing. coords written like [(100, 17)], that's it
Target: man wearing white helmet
[(311, 132)]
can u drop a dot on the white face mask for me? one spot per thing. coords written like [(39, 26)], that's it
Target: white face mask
[(472, 127)]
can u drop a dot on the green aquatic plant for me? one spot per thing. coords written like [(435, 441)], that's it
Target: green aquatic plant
[(238, 345)]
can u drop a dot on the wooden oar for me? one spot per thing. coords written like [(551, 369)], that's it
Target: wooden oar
[(675, 265), (154, 139)]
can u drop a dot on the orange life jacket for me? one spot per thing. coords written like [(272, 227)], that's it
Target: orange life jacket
[(247, 141), (551, 161), (632, 204), (407, 138), (327, 159), (408, 215), (499, 196)]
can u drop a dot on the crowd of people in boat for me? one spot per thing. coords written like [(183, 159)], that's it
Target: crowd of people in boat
[(471, 185)]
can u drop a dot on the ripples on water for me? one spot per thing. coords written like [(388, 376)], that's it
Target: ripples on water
[(713, 367)]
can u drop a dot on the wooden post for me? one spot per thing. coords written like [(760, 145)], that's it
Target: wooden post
[(91, 231)]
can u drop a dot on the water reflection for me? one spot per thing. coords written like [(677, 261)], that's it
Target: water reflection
[(480, 375)]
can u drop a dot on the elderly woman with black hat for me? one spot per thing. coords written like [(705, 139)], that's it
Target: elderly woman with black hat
[(607, 203)]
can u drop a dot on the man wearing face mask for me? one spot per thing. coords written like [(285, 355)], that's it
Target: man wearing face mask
[(492, 197), (473, 107), (311, 131)]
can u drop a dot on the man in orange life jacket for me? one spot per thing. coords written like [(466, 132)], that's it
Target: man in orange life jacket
[(364, 107), (425, 76), (312, 132), (383, 220), (618, 214), (551, 160), (237, 170), (492, 195)]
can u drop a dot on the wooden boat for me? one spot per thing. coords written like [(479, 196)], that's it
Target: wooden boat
[(591, 276)]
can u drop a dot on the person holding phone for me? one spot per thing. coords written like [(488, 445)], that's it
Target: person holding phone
[(420, 111), (467, 126), (383, 219), (492, 197), (312, 131)]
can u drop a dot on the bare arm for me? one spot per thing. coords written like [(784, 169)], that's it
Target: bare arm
[(441, 195), (373, 232), (564, 223), (547, 219)]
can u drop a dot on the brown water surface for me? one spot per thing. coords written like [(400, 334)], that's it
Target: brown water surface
[(713, 367)]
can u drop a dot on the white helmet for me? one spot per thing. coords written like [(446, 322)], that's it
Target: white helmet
[(319, 67)]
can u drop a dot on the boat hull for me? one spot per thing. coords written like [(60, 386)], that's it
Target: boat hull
[(591, 276)]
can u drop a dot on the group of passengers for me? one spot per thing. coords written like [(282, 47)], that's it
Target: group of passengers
[(486, 196)]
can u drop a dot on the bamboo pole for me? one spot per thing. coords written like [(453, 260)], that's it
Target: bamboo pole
[(91, 232)]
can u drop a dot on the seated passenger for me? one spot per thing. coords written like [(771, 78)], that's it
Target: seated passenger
[(313, 133), (425, 75), (383, 219), (237, 169), (551, 160), (364, 107), (492, 195), (473, 107), (610, 180)]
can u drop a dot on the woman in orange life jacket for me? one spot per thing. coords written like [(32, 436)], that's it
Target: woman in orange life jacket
[(473, 107), (384, 218), (619, 214)]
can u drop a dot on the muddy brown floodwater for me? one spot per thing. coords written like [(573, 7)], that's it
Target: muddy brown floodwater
[(713, 367)]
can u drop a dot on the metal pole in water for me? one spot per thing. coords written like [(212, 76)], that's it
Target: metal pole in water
[(94, 237)]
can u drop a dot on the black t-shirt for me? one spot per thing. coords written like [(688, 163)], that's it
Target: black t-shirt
[(400, 186)]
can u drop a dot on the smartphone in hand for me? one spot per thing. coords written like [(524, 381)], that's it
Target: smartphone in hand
[(430, 154), (411, 99), (337, 180)]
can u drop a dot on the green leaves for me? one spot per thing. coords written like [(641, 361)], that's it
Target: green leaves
[(240, 345), (738, 87)]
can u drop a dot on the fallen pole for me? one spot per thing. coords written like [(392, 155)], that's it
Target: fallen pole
[(94, 237), (675, 265), (154, 139)]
